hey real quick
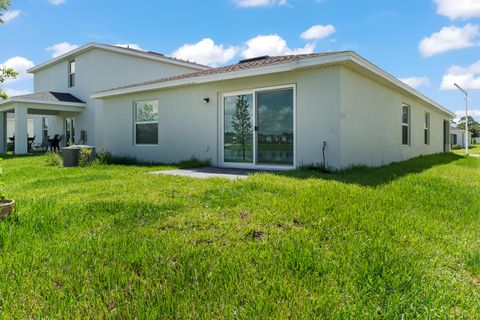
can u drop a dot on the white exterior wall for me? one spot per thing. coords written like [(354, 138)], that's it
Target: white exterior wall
[(98, 70), (371, 122), (188, 127), (358, 118), (11, 128)]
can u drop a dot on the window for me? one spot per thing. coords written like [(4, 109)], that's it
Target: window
[(44, 130), (426, 129), (71, 74), (406, 125), (146, 122), (453, 138)]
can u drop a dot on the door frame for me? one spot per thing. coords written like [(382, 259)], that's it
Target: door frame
[(254, 164)]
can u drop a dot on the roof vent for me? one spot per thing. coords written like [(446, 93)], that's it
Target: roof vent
[(254, 59), (158, 54)]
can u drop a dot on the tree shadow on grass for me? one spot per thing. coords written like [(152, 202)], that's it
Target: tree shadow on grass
[(366, 176)]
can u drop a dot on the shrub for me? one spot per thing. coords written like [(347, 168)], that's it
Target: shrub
[(54, 159), (85, 157), (456, 147), (104, 157)]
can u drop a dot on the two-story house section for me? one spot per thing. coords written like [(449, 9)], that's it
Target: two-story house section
[(61, 103)]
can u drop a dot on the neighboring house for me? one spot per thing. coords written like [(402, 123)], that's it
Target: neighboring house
[(267, 113), (457, 137)]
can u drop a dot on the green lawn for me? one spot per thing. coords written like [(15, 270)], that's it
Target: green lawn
[(399, 242), (473, 150)]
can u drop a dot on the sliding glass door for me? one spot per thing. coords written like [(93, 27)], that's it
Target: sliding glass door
[(238, 128), (258, 128)]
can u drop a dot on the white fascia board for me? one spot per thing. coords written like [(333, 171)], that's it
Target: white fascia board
[(388, 77), (90, 46), (278, 68), (338, 58), (44, 102)]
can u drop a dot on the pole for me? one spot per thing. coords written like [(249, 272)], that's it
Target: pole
[(465, 140), (466, 124)]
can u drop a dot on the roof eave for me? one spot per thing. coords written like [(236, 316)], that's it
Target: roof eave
[(338, 58), (93, 45), (278, 68), (33, 101)]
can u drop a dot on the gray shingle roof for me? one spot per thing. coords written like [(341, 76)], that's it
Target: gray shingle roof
[(50, 96), (242, 65)]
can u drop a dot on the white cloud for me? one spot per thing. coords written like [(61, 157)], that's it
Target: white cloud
[(318, 32), (416, 82), (449, 38), (467, 78), (20, 65), (458, 9), (130, 45), (61, 48), (10, 15), (259, 3), (56, 2), (206, 52), (272, 45), (15, 92)]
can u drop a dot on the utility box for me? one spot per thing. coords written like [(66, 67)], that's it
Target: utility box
[(71, 155)]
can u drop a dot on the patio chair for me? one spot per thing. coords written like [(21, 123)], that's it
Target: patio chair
[(30, 142), (55, 143)]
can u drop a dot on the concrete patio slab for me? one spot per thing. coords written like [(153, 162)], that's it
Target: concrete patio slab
[(208, 172)]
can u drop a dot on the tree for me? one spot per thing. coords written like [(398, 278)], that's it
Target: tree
[(4, 5), (473, 126), (242, 126), (5, 72)]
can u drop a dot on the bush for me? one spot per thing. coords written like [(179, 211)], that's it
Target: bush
[(104, 157), (456, 147), (54, 159), (85, 157)]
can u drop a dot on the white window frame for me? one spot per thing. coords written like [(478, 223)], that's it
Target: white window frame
[(135, 123), (426, 128), (71, 75), (406, 125), (254, 165)]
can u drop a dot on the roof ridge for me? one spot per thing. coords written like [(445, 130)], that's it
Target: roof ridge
[(154, 53)]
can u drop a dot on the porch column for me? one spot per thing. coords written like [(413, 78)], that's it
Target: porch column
[(21, 130), (3, 132)]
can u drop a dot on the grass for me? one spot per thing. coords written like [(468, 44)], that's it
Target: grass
[(398, 242), (473, 150)]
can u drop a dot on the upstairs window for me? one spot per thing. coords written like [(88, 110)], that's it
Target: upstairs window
[(71, 74), (426, 129), (406, 125), (146, 122)]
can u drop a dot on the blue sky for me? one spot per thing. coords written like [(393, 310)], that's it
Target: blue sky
[(428, 43)]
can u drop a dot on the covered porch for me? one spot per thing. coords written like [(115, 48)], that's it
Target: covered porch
[(42, 103)]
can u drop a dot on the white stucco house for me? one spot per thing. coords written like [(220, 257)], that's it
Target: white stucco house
[(334, 108), (457, 137)]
